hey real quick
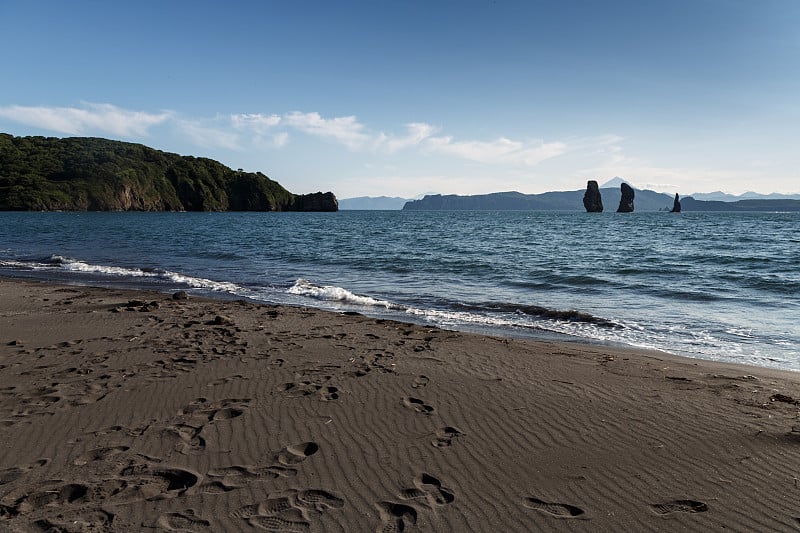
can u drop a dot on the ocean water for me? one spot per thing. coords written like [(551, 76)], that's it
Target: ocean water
[(718, 286)]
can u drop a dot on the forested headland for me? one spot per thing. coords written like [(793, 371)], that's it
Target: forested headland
[(94, 174)]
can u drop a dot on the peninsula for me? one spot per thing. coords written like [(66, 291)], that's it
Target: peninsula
[(94, 174)]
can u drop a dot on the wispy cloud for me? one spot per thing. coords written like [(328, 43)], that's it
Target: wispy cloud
[(209, 136), (243, 130), (280, 139), (255, 121), (345, 130), (649, 175), (356, 136), (502, 150), (101, 118), (416, 134)]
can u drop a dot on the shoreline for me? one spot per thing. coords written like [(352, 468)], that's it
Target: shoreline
[(209, 415)]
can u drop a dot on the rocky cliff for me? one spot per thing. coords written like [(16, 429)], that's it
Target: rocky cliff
[(92, 174)]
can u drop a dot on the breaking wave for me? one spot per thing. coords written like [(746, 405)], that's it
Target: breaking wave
[(58, 263), (330, 293)]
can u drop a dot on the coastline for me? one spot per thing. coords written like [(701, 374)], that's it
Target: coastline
[(207, 415)]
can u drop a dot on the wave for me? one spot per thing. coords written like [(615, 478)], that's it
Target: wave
[(540, 312), (489, 314), (58, 263), (330, 293)]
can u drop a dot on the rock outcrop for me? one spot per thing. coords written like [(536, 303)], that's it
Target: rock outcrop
[(676, 206), (592, 200), (626, 201), (318, 201)]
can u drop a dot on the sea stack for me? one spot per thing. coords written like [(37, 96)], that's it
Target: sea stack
[(676, 206), (626, 201), (592, 200)]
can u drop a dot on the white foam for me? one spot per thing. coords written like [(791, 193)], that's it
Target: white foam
[(455, 318), (330, 293), (58, 262)]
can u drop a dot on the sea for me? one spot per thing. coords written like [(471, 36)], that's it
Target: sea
[(715, 286)]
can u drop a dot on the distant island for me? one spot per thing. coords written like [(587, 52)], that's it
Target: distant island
[(646, 200), (94, 174), (548, 201)]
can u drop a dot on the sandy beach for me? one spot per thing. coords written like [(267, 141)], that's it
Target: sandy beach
[(127, 411)]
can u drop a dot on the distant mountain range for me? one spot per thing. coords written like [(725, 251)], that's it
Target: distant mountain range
[(646, 200), (372, 203), (548, 201), (719, 196)]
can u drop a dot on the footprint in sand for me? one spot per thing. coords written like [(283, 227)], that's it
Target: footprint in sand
[(429, 492), (296, 453), (130, 432), (193, 418), (52, 494), (289, 512), (283, 465), (307, 388), (228, 379), (7, 475), (183, 521), (418, 405), (85, 520), (420, 382), (99, 454), (188, 437), (445, 436), (144, 481), (557, 510), (395, 517), (202, 408), (679, 506)]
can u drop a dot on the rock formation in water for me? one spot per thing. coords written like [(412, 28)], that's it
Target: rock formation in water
[(626, 201), (592, 200), (676, 206), (92, 174)]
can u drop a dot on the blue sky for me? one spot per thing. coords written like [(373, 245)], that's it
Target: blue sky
[(405, 97)]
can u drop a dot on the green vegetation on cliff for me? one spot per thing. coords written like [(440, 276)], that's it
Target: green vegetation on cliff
[(92, 174)]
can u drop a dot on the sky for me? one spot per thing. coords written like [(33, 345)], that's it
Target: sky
[(406, 97)]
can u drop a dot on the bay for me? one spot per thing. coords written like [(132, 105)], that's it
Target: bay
[(721, 286)]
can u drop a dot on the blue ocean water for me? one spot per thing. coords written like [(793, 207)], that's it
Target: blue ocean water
[(721, 286)]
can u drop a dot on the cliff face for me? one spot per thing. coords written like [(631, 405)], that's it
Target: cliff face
[(91, 174), (317, 201)]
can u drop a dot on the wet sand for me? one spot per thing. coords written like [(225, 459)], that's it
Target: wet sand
[(123, 411)]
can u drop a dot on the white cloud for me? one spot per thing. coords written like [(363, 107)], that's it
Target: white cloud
[(346, 130), (280, 139), (353, 134), (105, 118), (417, 133), (502, 150), (255, 121), (209, 137)]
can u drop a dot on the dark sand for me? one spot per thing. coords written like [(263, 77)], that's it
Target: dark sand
[(120, 416)]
